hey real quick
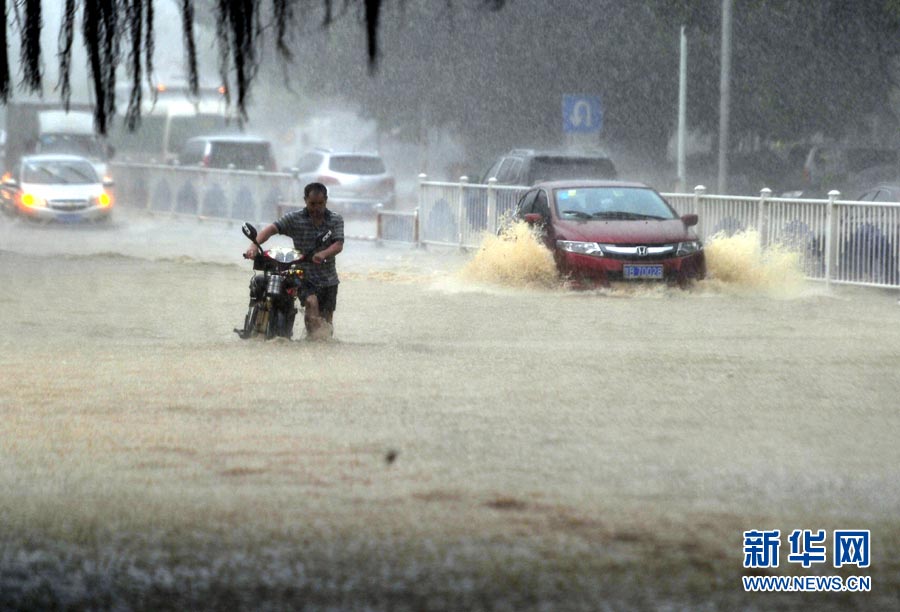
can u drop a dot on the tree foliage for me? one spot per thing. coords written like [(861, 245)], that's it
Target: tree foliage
[(108, 26), (497, 76), (798, 68)]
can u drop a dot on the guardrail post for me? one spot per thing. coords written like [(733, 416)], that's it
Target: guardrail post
[(699, 192), (492, 205), (379, 231), (260, 188), (232, 190), (762, 220), (421, 206), (202, 187), (148, 189), (829, 236), (460, 212), (174, 194), (416, 239)]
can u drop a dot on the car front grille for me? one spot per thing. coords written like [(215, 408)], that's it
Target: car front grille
[(68, 204), (640, 252)]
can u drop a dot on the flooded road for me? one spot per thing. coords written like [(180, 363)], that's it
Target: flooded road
[(471, 439)]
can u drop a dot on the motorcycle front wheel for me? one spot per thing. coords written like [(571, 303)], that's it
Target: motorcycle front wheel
[(289, 323), (250, 321), (276, 324)]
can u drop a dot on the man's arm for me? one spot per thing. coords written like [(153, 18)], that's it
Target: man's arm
[(263, 235), (330, 251), (337, 244)]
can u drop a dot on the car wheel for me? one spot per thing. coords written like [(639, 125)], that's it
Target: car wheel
[(685, 282)]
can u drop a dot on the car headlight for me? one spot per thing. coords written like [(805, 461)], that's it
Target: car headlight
[(687, 248), (29, 200), (103, 200), (582, 248)]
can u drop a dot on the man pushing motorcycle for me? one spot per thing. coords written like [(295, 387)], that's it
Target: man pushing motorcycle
[(319, 234)]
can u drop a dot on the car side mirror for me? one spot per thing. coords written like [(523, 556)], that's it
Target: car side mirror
[(9, 181), (532, 218), (689, 220), (108, 182)]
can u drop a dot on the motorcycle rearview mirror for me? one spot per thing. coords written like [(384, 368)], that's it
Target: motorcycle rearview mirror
[(250, 232)]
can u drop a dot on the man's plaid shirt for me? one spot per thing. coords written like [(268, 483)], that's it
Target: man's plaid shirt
[(298, 225)]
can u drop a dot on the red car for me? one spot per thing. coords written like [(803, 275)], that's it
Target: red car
[(600, 231)]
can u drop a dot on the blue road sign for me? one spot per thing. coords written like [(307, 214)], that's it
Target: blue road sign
[(581, 114)]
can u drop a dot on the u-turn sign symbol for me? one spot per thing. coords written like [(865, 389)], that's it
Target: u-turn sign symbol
[(582, 113)]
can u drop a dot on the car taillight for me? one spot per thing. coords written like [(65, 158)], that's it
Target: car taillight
[(327, 180), (205, 161)]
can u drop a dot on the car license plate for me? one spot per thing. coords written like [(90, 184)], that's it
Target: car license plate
[(644, 271), (68, 218)]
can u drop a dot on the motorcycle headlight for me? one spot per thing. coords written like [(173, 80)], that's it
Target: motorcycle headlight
[(687, 248), (582, 248)]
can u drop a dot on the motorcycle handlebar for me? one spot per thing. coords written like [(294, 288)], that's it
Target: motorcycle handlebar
[(308, 258)]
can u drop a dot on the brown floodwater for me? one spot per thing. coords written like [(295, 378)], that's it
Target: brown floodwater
[(476, 436)]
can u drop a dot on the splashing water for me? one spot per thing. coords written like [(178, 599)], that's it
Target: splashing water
[(517, 258), (740, 262)]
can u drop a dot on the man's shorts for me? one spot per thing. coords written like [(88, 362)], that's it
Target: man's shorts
[(327, 296)]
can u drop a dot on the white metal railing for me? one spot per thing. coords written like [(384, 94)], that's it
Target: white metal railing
[(397, 226), (203, 192), (839, 241), (259, 197), (457, 214)]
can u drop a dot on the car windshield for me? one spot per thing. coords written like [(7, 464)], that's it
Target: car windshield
[(183, 128), (72, 172), (147, 137), (357, 164), (244, 155), (75, 144), (612, 203), (550, 168)]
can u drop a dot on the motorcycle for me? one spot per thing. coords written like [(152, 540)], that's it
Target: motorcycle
[(272, 308)]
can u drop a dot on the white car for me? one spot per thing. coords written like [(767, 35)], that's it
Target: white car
[(62, 188), (356, 182)]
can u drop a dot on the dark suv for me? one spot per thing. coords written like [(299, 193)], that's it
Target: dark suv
[(527, 167), (229, 152), (523, 168)]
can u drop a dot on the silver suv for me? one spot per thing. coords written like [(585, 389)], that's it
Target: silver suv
[(356, 182)]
